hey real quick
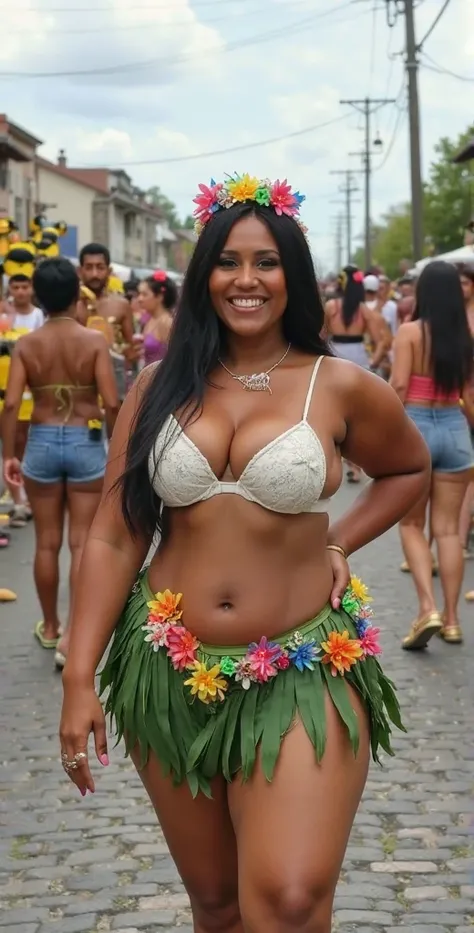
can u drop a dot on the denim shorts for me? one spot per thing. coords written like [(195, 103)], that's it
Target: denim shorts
[(447, 434), (57, 452)]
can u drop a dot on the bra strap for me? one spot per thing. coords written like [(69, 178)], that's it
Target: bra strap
[(311, 387)]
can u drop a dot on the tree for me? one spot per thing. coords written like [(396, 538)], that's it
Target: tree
[(156, 197), (391, 241), (449, 195), (448, 205)]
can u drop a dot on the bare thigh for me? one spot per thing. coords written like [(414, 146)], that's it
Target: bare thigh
[(199, 834), (83, 500), (447, 496), (47, 501), (292, 833)]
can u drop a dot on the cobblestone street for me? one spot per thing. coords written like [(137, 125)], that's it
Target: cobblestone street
[(100, 864)]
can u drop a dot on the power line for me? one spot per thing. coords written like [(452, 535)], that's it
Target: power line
[(367, 106), (348, 190), (373, 46), (267, 36), (152, 8), (439, 69), (230, 150), (434, 24), (401, 113), (147, 25), (132, 66)]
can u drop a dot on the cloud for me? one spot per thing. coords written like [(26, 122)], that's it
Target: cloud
[(133, 46)]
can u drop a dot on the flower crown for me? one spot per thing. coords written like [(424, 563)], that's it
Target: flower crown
[(238, 188)]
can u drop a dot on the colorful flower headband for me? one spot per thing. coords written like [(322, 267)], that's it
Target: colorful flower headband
[(239, 188)]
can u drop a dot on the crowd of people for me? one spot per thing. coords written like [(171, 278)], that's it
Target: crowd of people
[(418, 333), (243, 671)]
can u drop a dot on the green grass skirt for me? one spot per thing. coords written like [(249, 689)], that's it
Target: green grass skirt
[(154, 711)]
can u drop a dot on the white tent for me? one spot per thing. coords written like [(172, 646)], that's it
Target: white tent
[(464, 254)]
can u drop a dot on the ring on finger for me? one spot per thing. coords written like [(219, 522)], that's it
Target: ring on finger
[(73, 763)]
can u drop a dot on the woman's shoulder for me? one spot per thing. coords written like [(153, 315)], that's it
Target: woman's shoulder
[(354, 387), (408, 332)]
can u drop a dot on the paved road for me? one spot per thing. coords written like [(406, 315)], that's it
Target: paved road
[(100, 864)]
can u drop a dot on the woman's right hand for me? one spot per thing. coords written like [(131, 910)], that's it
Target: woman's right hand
[(12, 472), (82, 714)]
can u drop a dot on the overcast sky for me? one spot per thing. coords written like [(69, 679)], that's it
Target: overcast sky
[(192, 76)]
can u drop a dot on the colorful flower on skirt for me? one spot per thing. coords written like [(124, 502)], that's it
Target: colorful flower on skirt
[(350, 604), (244, 673), (361, 626), (360, 590), (366, 612), (182, 647), (228, 666), (305, 655), (165, 606), (341, 652), (206, 684), (262, 658), (294, 641), (157, 634), (283, 662), (369, 642)]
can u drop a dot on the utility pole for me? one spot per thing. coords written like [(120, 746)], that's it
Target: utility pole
[(348, 190), (339, 222), (411, 64), (367, 106)]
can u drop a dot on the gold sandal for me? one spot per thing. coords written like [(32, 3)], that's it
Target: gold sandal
[(452, 634), (422, 630)]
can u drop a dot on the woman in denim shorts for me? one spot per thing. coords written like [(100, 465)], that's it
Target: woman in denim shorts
[(432, 370), (67, 367)]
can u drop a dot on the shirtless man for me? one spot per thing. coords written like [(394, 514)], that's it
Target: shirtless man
[(94, 271)]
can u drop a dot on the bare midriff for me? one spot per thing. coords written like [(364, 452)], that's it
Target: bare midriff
[(244, 571)]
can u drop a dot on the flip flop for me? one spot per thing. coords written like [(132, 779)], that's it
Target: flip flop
[(44, 642), (7, 596)]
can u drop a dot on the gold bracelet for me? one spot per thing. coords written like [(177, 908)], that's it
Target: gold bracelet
[(336, 547)]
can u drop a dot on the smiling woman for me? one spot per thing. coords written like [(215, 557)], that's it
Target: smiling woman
[(243, 672)]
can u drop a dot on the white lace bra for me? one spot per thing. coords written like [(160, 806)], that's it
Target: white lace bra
[(287, 475)]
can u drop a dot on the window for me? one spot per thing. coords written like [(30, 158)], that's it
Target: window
[(4, 175), (19, 212)]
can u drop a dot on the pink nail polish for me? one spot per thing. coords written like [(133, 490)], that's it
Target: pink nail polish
[(83, 792), (104, 760)]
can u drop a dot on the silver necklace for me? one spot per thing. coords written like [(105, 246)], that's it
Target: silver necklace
[(257, 382)]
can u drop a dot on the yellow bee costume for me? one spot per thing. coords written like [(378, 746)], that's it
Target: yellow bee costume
[(115, 285), (8, 233), (45, 236), (18, 260)]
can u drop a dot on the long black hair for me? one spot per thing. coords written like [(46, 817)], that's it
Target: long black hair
[(351, 291), (198, 338), (441, 309)]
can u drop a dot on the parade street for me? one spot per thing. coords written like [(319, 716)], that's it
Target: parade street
[(100, 864)]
